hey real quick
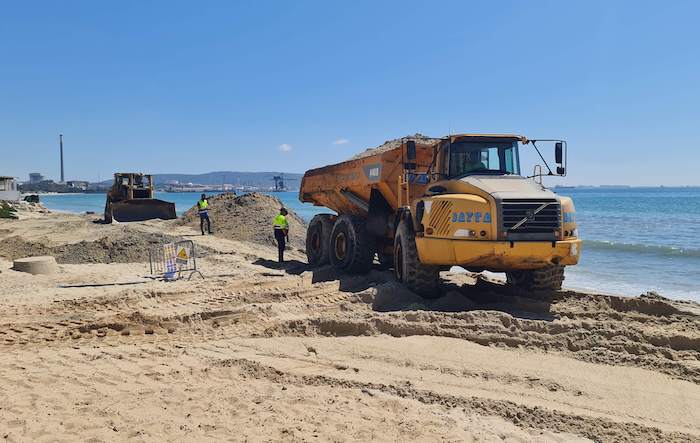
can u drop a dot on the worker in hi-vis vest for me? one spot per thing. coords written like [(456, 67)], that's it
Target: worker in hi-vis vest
[(281, 232), (203, 211)]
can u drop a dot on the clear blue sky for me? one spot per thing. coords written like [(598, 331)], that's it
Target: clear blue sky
[(280, 85)]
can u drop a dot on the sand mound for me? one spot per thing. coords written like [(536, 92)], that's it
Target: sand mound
[(131, 247), (247, 217), (395, 143)]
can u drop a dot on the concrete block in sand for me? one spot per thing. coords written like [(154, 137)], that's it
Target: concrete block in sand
[(36, 265)]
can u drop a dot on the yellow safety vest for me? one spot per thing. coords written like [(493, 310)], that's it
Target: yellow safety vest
[(281, 222), (203, 204)]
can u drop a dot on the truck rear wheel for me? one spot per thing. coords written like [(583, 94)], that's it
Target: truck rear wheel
[(351, 246), (421, 279), (549, 278), (318, 240)]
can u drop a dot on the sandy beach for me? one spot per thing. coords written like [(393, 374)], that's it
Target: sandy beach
[(256, 351)]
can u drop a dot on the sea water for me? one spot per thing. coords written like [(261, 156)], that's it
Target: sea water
[(635, 239)]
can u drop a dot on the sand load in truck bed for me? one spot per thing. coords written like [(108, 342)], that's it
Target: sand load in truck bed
[(247, 217), (395, 143), (345, 187)]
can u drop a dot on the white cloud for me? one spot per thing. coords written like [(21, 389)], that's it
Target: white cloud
[(284, 147), (341, 141)]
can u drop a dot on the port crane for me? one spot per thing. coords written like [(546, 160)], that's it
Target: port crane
[(280, 180)]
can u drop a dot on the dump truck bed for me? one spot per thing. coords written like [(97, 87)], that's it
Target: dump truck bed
[(329, 186)]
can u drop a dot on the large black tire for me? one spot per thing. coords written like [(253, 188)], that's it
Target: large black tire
[(351, 246), (549, 278), (318, 239), (419, 278), (386, 261)]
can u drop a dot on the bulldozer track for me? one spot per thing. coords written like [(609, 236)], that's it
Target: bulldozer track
[(156, 312), (240, 310)]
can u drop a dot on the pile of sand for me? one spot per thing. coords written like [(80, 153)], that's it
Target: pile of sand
[(131, 247), (248, 217), (395, 143)]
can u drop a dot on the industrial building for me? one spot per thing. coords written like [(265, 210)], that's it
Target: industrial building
[(35, 177), (8, 189), (81, 185)]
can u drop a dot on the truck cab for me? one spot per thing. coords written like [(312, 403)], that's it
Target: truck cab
[(479, 212)]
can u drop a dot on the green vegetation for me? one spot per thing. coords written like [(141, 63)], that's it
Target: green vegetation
[(7, 211)]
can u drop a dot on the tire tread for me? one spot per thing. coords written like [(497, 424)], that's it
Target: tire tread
[(418, 277), (361, 248), (326, 225), (548, 278)]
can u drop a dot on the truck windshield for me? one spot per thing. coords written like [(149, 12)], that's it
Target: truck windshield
[(473, 158)]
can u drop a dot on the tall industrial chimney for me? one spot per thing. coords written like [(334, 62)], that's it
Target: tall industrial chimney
[(60, 139)]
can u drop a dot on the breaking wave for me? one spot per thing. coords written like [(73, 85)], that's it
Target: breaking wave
[(640, 248)]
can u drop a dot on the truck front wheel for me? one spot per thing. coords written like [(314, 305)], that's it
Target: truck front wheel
[(549, 278), (421, 279), (318, 239), (351, 246)]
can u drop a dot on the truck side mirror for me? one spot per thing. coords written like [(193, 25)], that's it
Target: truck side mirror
[(410, 155), (559, 152)]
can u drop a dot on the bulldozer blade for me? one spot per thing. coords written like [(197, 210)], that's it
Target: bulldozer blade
[(142, 209)]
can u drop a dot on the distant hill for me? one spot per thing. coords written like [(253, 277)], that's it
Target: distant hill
[(257, 179)]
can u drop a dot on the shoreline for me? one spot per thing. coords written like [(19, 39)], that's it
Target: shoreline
[(24, 194)]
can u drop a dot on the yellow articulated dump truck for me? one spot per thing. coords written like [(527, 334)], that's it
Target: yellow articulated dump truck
[(426, 205)]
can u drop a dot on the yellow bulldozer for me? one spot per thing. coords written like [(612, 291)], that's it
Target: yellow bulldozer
[(426, 205), (131, 198)]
